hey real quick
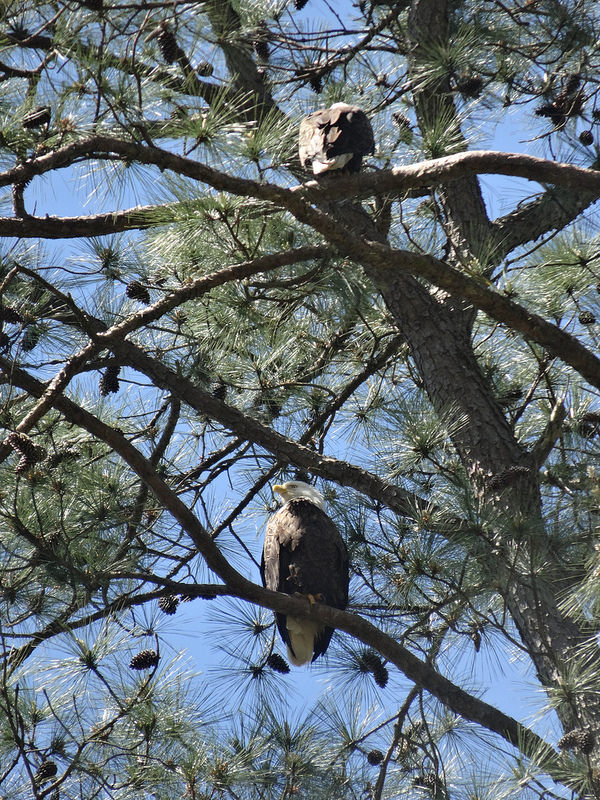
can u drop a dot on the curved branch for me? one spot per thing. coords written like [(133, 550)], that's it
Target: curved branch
[(352, 243), (204, 284), (496, 305), (552, 210), (421, 673), (30, 227), (432, 172), (285, 449)]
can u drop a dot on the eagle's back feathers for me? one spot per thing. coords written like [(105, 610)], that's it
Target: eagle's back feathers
[(335, 138)]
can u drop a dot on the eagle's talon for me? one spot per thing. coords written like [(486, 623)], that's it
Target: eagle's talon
[(312, 598)]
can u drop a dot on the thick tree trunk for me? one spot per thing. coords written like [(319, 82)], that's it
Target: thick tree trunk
[(512, 552)]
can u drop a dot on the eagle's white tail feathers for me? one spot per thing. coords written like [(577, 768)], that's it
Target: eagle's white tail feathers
[(337, 162), (302, 637)]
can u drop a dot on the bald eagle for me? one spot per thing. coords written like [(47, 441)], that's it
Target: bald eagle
[(335, 138), (304, 554)]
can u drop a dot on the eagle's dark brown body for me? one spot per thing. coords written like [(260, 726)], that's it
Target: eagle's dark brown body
[(305, 553), (335, 139)]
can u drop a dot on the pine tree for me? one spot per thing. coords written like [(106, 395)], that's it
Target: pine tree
[(420, 341)]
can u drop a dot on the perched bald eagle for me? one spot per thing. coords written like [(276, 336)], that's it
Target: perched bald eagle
[(335, 138), (305, 554)]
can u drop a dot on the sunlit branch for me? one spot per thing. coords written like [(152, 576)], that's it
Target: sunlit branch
[(497, 306), (431, 172), (200, 286)]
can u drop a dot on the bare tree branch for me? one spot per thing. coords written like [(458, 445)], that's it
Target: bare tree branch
[(425, 173)]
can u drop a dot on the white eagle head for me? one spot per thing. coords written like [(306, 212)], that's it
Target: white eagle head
[(292, 490)]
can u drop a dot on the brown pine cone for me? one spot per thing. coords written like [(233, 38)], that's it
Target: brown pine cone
[(374, 757), (587, 318), (10, 315), (585, 741), (169, 48), (145, 659), (168, 604), (371, 662), (46, 770), (109, 381), (137, 291), (278, 664)]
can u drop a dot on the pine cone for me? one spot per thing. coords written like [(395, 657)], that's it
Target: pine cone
[(66, 453), (551, 110), (380, 676), (219, 390), (470, 85), (261, 47), (586, 137), (589, 425), (511, 395), (45, 771), (476, 639), (168, 604), (401, 120), (370, 662), (374, 757), (570, 740), (587, 318), (137, 291), (30, 453), (36, 118), (568, 103), (573, 83), (109, 381), (21, 442), (429, 781), (316, 82), (585, 741), (4, 340), (169, 48), (278, 664), (24, 465), (300, 4), (145, 659)]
